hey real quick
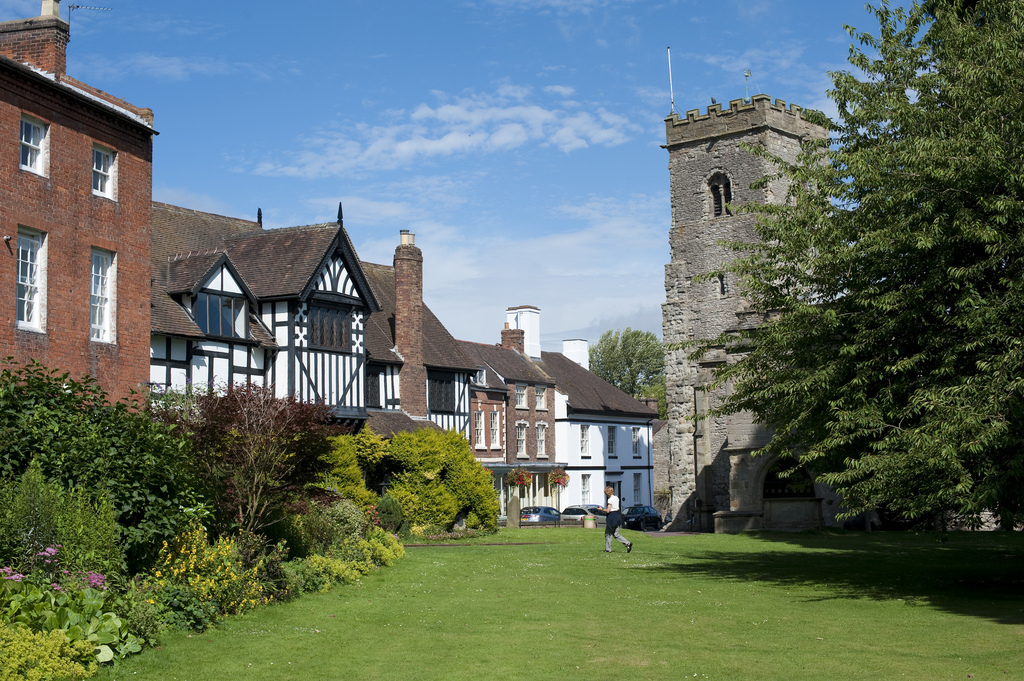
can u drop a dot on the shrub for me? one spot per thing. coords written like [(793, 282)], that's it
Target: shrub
[(34, 656), (389, 511), (345, 477), (197, 581), (256, 452), (330, 524), (320, 573), (47, 529), (80, 615), (141, 612), (82, 441), (436, 478)]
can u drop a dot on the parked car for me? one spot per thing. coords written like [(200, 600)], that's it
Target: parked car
[(539, 514), (641, 518), (580, 512)]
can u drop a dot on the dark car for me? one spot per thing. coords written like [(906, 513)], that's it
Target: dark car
[(539, 514), (641, 518)]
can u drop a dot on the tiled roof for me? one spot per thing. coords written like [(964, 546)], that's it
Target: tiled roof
[(179, 231), (278, 263), (388, 423), (440, 349), (588, 393), (505, 364), (184, 273)]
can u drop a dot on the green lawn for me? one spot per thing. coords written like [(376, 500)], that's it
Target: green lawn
[(769, 606)]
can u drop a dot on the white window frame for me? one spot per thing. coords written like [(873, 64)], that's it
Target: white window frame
[(31, 280), (520, 397), (610, 430), (495, 430), (36, 146), (638, 479), (542, 429), (102, 291), (585, 488), (585, 441), (636, 442), (104, 172), (541, 398), (521, 439), (478, 429)]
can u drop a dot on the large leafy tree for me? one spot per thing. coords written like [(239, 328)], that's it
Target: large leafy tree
[(892, 360), (631, 360)]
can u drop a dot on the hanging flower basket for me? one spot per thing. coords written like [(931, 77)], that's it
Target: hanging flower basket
[(519, 477), (559, 477)]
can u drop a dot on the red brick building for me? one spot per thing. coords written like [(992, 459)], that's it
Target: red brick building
[(75, 197)]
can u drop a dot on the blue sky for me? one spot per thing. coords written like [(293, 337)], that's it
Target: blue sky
[(518, 139)]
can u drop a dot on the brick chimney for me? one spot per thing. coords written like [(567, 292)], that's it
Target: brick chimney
[(512, 338), (409, 325), (40, 42)]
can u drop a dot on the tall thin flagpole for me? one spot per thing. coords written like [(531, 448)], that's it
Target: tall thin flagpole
[(671, 92)]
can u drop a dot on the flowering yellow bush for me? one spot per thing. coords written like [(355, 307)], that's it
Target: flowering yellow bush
[(34, 656), (213, 573)]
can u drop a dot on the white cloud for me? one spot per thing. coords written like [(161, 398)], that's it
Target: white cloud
[(162, 67), (608, 257), (560, 90), (455, 125)]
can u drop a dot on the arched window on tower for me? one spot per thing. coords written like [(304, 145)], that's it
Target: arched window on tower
[(721, 194)]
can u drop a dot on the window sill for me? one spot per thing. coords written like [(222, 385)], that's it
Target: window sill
[(522, 456), (542, 456), (482, 448), (102, 342), (32, 170), (104, 196), (31, 329)]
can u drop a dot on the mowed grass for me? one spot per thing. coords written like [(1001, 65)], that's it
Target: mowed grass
[(769, 606)]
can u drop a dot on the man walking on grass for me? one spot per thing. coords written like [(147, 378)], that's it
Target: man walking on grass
[(611, 528)]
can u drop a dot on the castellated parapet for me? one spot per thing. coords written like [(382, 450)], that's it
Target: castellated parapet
[(713, 478), (740, 117)]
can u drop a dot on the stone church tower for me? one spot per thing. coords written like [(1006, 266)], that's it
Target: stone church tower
[(714, 480)]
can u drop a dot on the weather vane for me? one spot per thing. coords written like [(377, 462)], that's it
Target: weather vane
[(746, 86)]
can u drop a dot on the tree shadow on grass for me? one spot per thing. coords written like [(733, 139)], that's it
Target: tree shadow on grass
[(976, 574)]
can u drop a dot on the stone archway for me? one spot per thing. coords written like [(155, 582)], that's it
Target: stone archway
[(790, 502)]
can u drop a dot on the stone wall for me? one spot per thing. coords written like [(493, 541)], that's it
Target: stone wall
[(710, 462)]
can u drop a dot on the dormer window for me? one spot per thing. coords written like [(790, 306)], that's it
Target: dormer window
[(721, 194), (221, 315)]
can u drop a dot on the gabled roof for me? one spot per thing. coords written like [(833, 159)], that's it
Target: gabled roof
[(505, 365), (189, 244), (440, 349), (587, 393), (279, 263)]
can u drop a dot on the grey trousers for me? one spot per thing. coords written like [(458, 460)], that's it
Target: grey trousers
[(610, 532)]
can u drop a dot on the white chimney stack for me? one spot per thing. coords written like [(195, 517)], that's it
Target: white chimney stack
[(51, 8), (578, 350), (527, 318)]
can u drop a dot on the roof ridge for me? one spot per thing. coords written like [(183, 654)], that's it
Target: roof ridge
[(278, 230), (183, 209), (177, 257)]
